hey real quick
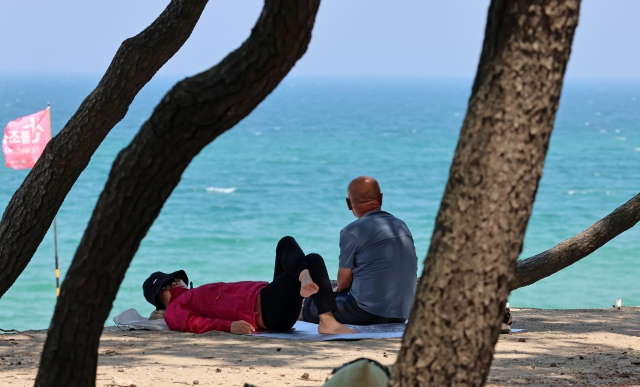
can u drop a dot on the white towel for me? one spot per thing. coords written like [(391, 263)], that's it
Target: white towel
[(133, 319)]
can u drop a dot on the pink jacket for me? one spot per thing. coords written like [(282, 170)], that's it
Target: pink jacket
[(212, 307)]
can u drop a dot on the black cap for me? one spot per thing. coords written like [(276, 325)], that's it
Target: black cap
[(152, 285)]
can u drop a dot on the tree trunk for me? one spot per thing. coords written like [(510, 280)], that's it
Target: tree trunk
[(190, 116), (455, 319), (34, 205), (572, 250)]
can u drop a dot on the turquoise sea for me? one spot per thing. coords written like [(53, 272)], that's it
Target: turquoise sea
[(284, 171)]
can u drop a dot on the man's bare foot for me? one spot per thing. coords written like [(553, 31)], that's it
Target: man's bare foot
[(329, 325), (307, 286)]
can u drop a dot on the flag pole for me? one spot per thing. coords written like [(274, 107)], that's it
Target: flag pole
[(55, 228), (55, 244)]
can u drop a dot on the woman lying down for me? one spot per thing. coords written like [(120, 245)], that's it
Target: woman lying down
[(244, 307)]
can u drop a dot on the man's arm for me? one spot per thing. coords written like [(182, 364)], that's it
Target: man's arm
[(348, 248), (345, 279)]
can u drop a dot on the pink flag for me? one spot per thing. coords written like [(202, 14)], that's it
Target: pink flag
[(25, 138)]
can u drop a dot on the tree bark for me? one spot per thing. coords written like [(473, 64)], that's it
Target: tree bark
[(455, 319), (193, 113), (34, 205), (570, 251)]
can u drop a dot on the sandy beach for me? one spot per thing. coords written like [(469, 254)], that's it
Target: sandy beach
[(559, 347)]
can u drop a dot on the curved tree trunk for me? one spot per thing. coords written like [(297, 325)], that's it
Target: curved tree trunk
[(190, 116), (572, 250), (34, 205), (455, 319)]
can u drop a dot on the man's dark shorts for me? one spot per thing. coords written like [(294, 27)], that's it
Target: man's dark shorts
[(348, 312)]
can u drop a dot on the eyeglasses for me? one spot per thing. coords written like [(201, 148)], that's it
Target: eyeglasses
[(169, 284)]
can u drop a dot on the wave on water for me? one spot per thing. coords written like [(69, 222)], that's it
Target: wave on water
[(221, 190), (581, 192)]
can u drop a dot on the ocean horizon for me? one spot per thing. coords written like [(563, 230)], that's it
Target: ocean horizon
[(284, 169)]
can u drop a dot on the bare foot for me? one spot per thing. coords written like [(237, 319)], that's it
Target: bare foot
[(307, 286), (308, 289), (329, 325)]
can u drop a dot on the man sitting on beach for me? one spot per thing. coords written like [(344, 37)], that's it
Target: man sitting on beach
[(244, 307), (377, 266)]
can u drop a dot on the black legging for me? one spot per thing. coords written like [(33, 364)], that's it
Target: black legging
[(280, 300)]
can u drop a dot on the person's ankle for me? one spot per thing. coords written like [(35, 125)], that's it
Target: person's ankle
[(304, 276), (327, 316)]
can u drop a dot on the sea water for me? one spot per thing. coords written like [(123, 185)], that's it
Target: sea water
[(284, 170)]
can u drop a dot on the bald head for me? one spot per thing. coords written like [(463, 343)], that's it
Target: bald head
[(364, 195), (363, 189)]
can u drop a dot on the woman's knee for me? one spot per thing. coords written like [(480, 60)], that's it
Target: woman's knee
[(284, 242)]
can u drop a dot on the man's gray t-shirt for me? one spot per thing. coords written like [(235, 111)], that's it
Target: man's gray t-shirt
[(379, 250)]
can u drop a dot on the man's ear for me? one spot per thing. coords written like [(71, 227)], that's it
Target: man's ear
[(349, 204), (380, 199)]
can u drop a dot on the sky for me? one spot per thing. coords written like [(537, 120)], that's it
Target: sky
[(400, 38)]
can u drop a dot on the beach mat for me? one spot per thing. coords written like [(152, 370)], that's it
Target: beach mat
[(130, 318), (308, 331)]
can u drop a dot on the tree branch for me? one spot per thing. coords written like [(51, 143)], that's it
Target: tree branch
[(34, 205), (190, 116), (570, 251)]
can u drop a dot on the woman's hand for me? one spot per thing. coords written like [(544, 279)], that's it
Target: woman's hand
[(241, 327)]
